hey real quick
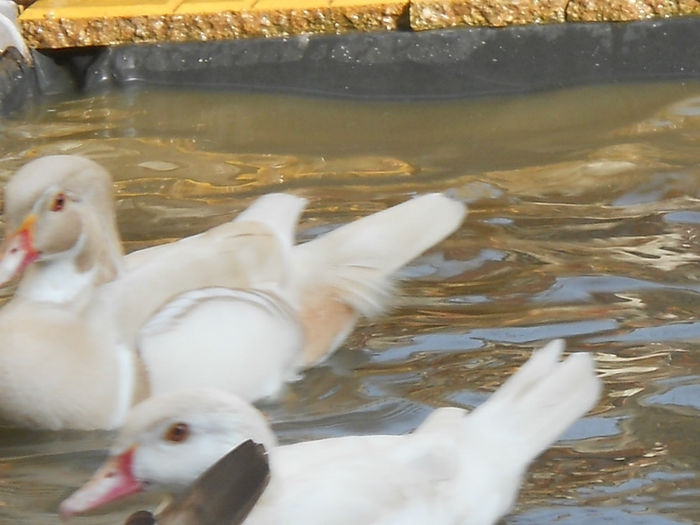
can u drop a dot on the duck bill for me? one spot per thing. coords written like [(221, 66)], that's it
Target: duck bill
[(114, 480), (17, 252)]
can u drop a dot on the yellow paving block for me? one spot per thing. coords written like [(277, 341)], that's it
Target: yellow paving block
[(241, 18), (194, 7), (628, 10), (367, 3), (291, 4), (97, 8), (76, 23), (436, 14), (221, 6)]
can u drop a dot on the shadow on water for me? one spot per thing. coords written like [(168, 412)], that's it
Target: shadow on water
[(584, 224)]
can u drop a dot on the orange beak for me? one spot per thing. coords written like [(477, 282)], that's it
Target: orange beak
[(17, 251)]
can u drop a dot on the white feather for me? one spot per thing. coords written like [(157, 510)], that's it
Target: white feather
[(456, 468), (359, 259), (238, 307), (251, 341)]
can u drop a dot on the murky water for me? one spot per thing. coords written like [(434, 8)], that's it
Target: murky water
[(584, 224)]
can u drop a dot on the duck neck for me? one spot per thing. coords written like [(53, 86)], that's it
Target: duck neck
[(57, 282), (70, 278)]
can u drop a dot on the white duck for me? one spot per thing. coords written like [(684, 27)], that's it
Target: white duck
[(239, 307), (455, 468)]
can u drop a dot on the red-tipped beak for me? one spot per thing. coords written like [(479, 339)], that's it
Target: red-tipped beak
[(17, 252), (112, 481)]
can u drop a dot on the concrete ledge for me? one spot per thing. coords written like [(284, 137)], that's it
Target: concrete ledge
[(627, 10), (77, 23), (436, 14), (46, 24), (394, 65)]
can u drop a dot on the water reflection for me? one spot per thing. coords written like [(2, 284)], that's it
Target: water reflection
[(583, 224)]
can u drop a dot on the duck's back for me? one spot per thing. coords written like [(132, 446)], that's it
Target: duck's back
[(357, 479)]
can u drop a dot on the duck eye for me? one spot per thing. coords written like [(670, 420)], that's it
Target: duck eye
[(177, 432), (59, 201)]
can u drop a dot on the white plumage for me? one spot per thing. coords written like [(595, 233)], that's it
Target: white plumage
[(455, 468), (239, 307)]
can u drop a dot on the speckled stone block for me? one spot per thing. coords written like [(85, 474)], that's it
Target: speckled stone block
[(67, 23), (627, 10), (64, 32), (76, 23), (433, 14), (269, 19)]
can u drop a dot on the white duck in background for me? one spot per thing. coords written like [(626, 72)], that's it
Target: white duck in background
[(239, 307), (456, 468)]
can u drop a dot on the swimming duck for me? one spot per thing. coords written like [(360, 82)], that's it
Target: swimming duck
[(456, 467), (240, 307)]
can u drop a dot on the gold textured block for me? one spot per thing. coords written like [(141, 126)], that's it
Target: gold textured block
[(75, 23), (435, 14), (97, 8), (627, 10), (195, 7), (298, 5), (290, 17), (365, 4)]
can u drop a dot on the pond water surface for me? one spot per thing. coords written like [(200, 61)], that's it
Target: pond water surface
[(584, 224)]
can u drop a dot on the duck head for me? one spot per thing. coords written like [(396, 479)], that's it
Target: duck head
[(60, 207), (167, 442), (224, 495)]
